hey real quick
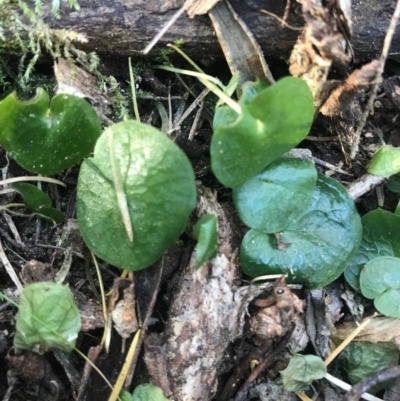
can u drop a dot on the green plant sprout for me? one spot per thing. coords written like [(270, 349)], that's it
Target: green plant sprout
[(143, 392), (381, 237), (311, 367), (46, 137), (385, 162), (313, 232), (380, 281), (39, 202), (47, 317), (153, 180), (205, 231)]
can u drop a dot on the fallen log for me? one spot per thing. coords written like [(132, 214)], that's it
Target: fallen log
[(121, 28)]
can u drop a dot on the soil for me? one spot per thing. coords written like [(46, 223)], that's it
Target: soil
[(45, 377)]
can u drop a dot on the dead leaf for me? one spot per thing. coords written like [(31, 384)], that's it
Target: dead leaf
[(122, 307), (241, 50), (279, 312), (34, 271), (199, 7)]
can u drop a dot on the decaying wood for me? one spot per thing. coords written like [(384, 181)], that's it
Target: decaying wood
[(203, 318), (207, 314), (379, 329), (124, 27)]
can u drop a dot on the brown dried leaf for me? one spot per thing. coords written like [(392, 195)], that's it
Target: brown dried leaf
[(34, 271), (322, 44), (279, 311), (122, 307), (340, 98), (241, 50), (199, 7)]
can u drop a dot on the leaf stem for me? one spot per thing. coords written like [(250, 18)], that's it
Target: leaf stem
[(133, 89), (119, 190), (209, 82)]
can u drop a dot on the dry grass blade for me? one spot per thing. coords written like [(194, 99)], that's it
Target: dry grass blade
[(9, 268)]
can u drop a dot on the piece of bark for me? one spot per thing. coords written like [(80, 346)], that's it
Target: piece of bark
[(206, 315), (203, 317), (122, 28)]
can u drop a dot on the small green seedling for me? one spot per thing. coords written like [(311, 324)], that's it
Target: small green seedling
[(381, 237), (48, 139), (134, 195), (385, 162), (380, 281), (47, 318), (317, 240), (38, 202), (205, 231), (143, 392), (270, 124), (301, 371), (361, 359), (148, 392)]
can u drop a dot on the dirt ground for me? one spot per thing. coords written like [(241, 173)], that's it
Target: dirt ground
[(43, 248)]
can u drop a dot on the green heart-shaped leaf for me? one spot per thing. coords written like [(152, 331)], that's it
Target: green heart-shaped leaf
[(381, 237), (380, 274), (301, 371), (274, 198), (363, 358), (47, 317), (385, 162), (315, 249), (38, 202), (380, 280), (271, 124), (139, 185), (205, 231), (48, 140)]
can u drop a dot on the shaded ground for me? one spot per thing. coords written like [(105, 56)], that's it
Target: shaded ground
[(40, 240)]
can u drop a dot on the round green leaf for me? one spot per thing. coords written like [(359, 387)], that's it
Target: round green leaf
[(205, 231), (38, 202), (124, 395), (47, 317), (139, 178), (388, 303), (362, 358), (385, 162), (274, 122), (274, 198), (148, 392), (381, 237), (313, 250), (379, 275), (48, 140), (301, 371)]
